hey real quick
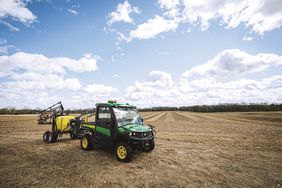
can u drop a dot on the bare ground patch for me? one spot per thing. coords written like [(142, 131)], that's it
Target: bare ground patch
[(194, 150)]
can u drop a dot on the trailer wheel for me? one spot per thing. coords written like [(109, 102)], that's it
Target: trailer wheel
[(123, 152), (46, 136), (86, 143), (151, 147), (53, 136)]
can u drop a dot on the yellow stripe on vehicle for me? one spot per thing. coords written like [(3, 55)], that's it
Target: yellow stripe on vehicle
[(89, 126)]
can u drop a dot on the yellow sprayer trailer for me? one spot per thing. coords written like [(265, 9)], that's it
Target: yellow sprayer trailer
[(62, 123)]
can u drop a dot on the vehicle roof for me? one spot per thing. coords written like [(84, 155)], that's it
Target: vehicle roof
[(114, 104)]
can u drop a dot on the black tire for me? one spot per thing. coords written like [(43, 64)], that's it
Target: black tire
[(53, 136), (45, 136), (86, 142), (123, 152), (72, 135), (151, 147)]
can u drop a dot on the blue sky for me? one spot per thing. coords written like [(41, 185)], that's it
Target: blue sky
[(148, 53)]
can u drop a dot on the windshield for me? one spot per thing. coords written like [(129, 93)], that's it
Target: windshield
[(127, 116)]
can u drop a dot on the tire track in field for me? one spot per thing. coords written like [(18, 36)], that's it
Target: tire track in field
[(150, 115), (219, 118), (179, 117), (273, 118), (206, 117), (223, 119), (190, 116), (156, 117), (169, 117), (234, 118)]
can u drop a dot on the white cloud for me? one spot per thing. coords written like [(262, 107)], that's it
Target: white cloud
[(16, 9), (32, 71), (4, 47), (160, 78), (100, 90), (152, 28), (203, 84), (41, 64), (169, 4), (164, 53), (234, 61), (210, 91), (171, 7), (259, 16), (158, 88), (73, 12), (35, 71), (205, 91), (247, 38), (116, 76), (122, 13), (34, 79), (36, 90), (29, 85), (10, 26)]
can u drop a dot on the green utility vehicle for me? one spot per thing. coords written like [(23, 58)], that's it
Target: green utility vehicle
[(119, 128)]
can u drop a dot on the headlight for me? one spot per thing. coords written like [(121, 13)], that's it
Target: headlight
[(133, 134)]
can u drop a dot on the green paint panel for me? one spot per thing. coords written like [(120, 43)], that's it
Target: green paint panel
[(135, 128), (103, 130)]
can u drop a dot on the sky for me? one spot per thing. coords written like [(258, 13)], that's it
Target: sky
[(146, 53)]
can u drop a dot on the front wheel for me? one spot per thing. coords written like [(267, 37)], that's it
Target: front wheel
[(151, 147), (86, 142), (123, 152)]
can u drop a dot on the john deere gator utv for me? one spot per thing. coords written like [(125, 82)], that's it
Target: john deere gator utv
[(119, 128), (62, 123)]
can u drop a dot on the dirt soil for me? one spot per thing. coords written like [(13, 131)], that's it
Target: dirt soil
[(192, 150)]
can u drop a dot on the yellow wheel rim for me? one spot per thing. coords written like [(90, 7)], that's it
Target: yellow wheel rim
[(121, 152), (84, 142)]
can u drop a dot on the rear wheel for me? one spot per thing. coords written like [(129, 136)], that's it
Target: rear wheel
[(123, 152), (46, 136), (86, 142), (53, 136)]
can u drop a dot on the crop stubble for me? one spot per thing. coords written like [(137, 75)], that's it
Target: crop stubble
[(192, 150)]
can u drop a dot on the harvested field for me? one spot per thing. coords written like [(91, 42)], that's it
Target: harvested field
[(192, 150)]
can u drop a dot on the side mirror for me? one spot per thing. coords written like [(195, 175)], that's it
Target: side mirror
[(151, 126)]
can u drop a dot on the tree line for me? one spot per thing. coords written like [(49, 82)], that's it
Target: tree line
[(221, 108), (196, 108)]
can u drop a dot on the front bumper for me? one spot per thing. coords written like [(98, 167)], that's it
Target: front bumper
[(142, 144)]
